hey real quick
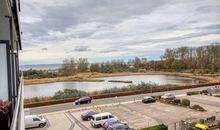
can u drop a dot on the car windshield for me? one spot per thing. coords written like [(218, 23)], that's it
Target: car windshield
[(84, 98), (147, 97), (87, 113), (92, 113), (168, 94)]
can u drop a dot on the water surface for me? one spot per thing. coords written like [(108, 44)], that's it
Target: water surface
[(49, 89)]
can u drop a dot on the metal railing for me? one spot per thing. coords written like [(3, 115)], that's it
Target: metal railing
[(18, 114)]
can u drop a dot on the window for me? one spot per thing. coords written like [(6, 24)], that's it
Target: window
[(110, 116), (3, 72), (98, 118), (36, 119), (104, 117)]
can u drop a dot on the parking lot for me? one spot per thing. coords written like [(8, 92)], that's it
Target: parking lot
[(137, 114)]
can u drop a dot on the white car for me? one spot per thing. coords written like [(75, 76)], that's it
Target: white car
[(98, 120), (34, 121), (168, 96)]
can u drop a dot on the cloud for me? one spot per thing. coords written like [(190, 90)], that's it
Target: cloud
[(82, 48), (44, 49), (107, 29)]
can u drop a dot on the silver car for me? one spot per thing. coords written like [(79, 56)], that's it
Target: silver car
[(168, 96)]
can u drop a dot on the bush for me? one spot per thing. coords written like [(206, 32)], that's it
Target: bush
[(219, 124), (205, 92), (202, 121), (193, 93), (198, 107), (68, 93), (38, 74), (158, 97), (36, 99), (185, 102), (157, 127), (177, 101)]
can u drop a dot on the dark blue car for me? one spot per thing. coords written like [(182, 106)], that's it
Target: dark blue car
[(119, 126), (110, 122)]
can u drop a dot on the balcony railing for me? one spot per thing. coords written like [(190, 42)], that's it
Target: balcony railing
[(18, 114)]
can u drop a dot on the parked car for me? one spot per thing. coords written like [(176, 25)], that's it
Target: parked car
[(98, 120), (148, 99), (119, 126), (34, 121), (83, 100), (168, 96), (88, 115), (110, 122)]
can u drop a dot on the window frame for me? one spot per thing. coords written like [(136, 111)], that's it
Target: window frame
[(6, 42), (105, 117), (97, 118), (36, 119)]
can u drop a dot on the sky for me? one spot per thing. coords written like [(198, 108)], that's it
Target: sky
[(102, 30)]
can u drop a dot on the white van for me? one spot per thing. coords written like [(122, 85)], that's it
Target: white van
[(98, 120), (34, 121)]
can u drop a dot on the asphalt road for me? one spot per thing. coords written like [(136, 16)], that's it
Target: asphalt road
[(66, 106)]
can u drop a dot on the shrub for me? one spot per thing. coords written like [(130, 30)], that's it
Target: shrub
[(201, 121), (177, 101), (185, 102), (205, 92), (193, 93), (198, 107), (158, 97), (157, 127), (68, 93), (219, 124), (36, 99)]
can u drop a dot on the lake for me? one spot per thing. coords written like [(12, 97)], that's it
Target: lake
[(49, 89)]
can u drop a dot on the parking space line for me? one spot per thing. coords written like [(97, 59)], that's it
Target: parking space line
[(48, 122), (81, 125), (72, 122)]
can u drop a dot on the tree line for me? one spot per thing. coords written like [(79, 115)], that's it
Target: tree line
[(204, 59)]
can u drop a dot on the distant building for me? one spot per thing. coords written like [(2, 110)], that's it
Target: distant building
[(11, 87)]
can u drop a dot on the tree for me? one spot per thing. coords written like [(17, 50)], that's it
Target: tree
[(82, 65), (68, 67), (95, 67)]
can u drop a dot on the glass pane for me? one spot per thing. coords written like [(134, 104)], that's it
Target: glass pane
[(105, 117), (3, 73)]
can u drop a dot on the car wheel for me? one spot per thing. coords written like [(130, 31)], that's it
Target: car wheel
[(99, 126), (41, 125)]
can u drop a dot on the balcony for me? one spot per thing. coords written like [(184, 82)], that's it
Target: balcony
[(18, 113)]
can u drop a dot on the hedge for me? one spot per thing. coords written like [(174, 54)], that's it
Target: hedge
[(185, 102), (193, 93), (157, 127)]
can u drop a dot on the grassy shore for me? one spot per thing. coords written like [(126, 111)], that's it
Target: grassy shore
[(119, 81), (91, 77)]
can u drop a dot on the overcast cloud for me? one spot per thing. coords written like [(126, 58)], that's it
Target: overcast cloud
[(102, 30)]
